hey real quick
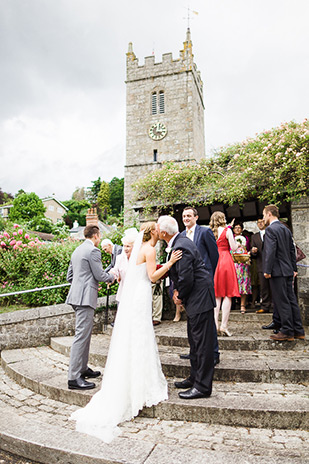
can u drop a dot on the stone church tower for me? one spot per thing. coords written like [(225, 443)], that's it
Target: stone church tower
[(165, 114)]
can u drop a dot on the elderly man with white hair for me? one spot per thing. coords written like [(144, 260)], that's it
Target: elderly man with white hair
[(193, 287), (113, 250)]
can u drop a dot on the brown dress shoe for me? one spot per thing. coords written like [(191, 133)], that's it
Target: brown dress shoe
[(299, 336), (281, 337), (262, 311), (156, 322)]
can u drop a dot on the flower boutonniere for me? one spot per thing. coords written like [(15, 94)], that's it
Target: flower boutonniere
[(168, 249)]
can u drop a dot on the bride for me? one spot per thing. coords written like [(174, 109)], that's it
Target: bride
[(133, 377)]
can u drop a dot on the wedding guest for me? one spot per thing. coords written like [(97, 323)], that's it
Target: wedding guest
[(113, 250), (257, 243), (225, 279), (279, 266), (242, 269)]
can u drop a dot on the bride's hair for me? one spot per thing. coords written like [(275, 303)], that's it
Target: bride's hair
[(147, 228)]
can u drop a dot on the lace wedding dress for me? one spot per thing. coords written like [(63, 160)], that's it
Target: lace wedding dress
[(133, 377)]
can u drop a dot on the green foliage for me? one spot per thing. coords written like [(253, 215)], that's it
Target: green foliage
[(39, 266), (43, 224), (27, 206), (103, 199), (116, 195), (93, 192), (79, 194), (5, 197), (271, 167), (77, 212)]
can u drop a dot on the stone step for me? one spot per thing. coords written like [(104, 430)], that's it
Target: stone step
[(241, 366), (44, 371), (247, 337)]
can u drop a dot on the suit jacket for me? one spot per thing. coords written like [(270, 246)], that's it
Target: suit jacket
[(279, 257), (117, 250), (84, 273), (206, 244), (190, 277), (257, 242)]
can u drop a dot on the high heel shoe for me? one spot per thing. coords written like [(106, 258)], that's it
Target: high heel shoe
[(243, 309), (224, 332)]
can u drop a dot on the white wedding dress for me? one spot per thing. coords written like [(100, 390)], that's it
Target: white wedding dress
[(133, 377)]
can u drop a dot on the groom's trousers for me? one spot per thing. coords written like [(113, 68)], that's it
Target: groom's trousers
[(201, 339), (81, 343)]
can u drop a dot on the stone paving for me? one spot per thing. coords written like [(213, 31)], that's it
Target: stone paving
[(259, 442)]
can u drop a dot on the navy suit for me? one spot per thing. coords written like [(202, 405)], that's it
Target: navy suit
[(279, 260), (206, 244), (196, 290)]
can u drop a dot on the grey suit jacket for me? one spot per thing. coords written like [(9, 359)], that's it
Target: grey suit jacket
[(84, 273), (116, 252)]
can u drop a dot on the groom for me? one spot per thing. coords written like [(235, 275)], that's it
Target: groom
[(193, 287), (84, 274)]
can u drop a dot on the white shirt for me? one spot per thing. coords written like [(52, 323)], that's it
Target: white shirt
[(190, 233)]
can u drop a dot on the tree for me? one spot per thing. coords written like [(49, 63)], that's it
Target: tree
[(5, 197), (103, 199), (79, 194), (77, 212), (27, 206), (93, 192), (116, 195)]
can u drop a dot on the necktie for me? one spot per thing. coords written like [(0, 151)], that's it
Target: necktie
[(190, 234)]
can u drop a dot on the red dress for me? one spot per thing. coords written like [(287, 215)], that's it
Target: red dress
[(226, 283)]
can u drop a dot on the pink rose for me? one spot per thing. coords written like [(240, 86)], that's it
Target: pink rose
[(27, 236), (12, 242), (6, 234), (2, 244), (15, 247), (32, 243), (19, 243), (16, 226), (1, 236), (14, 233), (20, 231), (24, 245)]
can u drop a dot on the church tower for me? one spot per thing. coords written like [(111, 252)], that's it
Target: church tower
[(165, 114)]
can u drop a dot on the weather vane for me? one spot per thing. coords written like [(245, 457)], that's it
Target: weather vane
[(190, 14)]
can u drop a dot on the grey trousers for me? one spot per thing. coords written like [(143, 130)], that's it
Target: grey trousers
[(157, 303), (81, 343)]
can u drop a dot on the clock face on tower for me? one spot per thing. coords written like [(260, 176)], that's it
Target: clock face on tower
[(157, 131)]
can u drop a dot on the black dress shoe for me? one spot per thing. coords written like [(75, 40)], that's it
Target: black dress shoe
[(270, 326), (192, 394), (184, 384), (185, 356), (80, 384), (90, 374)]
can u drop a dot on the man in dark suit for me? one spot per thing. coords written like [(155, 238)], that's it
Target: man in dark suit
[(113, 250), (206, 244), (257, 243), (279, 266), (193, 287)]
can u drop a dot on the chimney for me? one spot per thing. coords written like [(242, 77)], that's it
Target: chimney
[(92, 217)]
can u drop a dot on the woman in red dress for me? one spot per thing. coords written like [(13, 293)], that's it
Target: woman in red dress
[(225, 279)]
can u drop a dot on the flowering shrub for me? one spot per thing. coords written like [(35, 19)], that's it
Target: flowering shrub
[(17, 238), (271, 167)]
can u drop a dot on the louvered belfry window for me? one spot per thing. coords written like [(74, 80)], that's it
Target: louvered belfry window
[(154, 103), (157, 106), (161, 102)]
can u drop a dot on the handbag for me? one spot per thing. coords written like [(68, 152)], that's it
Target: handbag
[(299, 254)]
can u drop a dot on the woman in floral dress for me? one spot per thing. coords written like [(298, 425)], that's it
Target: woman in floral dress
[(242, 269)]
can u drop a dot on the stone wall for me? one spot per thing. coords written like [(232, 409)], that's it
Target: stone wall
[(35, 327), (300, 224)]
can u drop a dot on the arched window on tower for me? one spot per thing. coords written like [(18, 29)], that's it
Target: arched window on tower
[(161, 102), (154, 103)]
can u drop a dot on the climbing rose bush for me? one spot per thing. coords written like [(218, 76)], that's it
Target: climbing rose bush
[(17, 238)]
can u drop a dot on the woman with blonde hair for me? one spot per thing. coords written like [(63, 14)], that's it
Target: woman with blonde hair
[(225, 279), (133, 377)]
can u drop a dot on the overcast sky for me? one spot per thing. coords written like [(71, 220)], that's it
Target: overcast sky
[(62, 89)]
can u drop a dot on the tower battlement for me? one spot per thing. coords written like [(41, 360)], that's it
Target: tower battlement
[(167, 66)]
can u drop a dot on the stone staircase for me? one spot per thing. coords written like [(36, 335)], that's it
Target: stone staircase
[(260, 386)]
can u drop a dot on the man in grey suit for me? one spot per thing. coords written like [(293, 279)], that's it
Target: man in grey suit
[(84, 273)]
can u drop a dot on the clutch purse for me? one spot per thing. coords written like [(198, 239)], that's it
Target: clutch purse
[(241, 258)]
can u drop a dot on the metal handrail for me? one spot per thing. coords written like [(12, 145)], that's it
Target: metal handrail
[(33, 290)]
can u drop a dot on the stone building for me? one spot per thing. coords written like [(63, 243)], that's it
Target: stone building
[(165, 114)]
